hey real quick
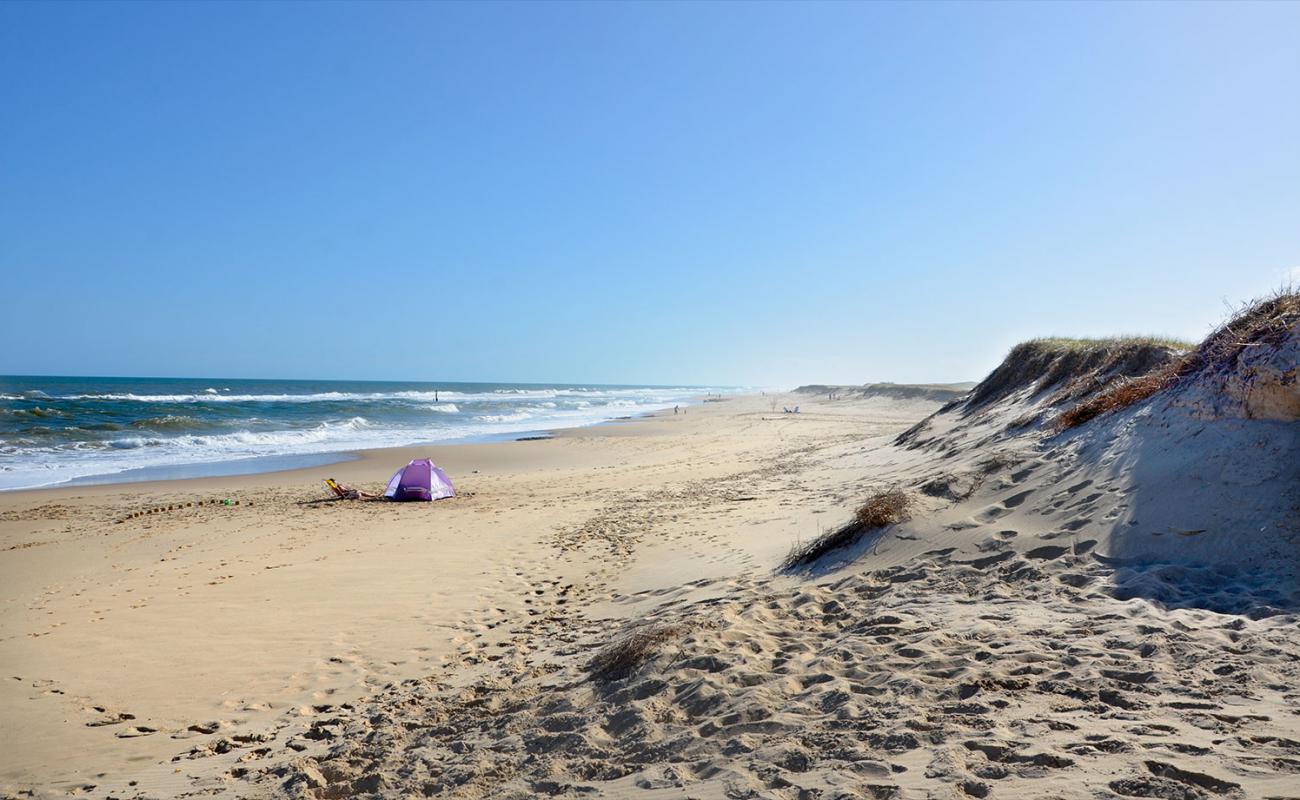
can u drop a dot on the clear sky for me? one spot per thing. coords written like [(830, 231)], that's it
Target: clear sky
[(760, 194)]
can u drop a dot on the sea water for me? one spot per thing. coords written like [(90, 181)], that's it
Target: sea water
[(61, 430)]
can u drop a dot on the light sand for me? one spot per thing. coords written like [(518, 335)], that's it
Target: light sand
[(233, 617), (1003, 642)]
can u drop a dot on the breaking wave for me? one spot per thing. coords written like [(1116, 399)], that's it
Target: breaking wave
[(500, 395)]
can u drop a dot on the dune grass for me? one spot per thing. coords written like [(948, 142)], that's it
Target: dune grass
[(623, 657), (883, 508), (1041, 364), (1069, 343)]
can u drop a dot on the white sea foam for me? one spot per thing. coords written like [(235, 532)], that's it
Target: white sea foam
[(499, 395), (516, 416)]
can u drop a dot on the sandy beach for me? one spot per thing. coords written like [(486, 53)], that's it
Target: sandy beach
[(123, 640), (1107, 612)]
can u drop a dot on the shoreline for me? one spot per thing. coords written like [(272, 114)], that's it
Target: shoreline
[(301, 462), (88, 431)]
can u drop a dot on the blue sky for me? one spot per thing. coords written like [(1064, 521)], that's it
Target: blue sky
[(761, 194)]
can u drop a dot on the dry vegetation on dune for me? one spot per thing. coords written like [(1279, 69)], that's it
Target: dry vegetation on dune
[(1071, 368), (621, 658), (1069, 344), (884, 508), (1084, 363), (1264, 322), (1120, 394), (1096, 376)]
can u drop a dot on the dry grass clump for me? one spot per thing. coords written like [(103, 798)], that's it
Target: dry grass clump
[(621, 658), (1263, 322), (1121, 394), (883, 508)]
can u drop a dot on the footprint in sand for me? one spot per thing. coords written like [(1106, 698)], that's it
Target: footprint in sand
[(109, 718), (1166, 780), (1017, 499), (992, 513), (1019, 475), (985, 563), (1075, 580)]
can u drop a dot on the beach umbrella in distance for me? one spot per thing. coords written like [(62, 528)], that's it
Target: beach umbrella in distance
[(419, 480)]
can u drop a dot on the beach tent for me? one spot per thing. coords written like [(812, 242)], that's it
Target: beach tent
[(419, 480)]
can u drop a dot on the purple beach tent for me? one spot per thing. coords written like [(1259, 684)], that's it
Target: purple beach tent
[(419, 480)]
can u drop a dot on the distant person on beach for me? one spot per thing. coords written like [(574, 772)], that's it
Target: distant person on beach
[(676, 409)]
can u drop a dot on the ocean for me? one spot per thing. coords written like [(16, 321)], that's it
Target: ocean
[(100, 430)]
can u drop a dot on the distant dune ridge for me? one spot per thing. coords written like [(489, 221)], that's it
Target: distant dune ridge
[(1075, 579)]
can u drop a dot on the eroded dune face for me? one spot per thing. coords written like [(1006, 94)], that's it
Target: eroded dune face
[(1247, 368), (1264, 386)]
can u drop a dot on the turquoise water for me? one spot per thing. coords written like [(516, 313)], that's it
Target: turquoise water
[(61, 430)]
